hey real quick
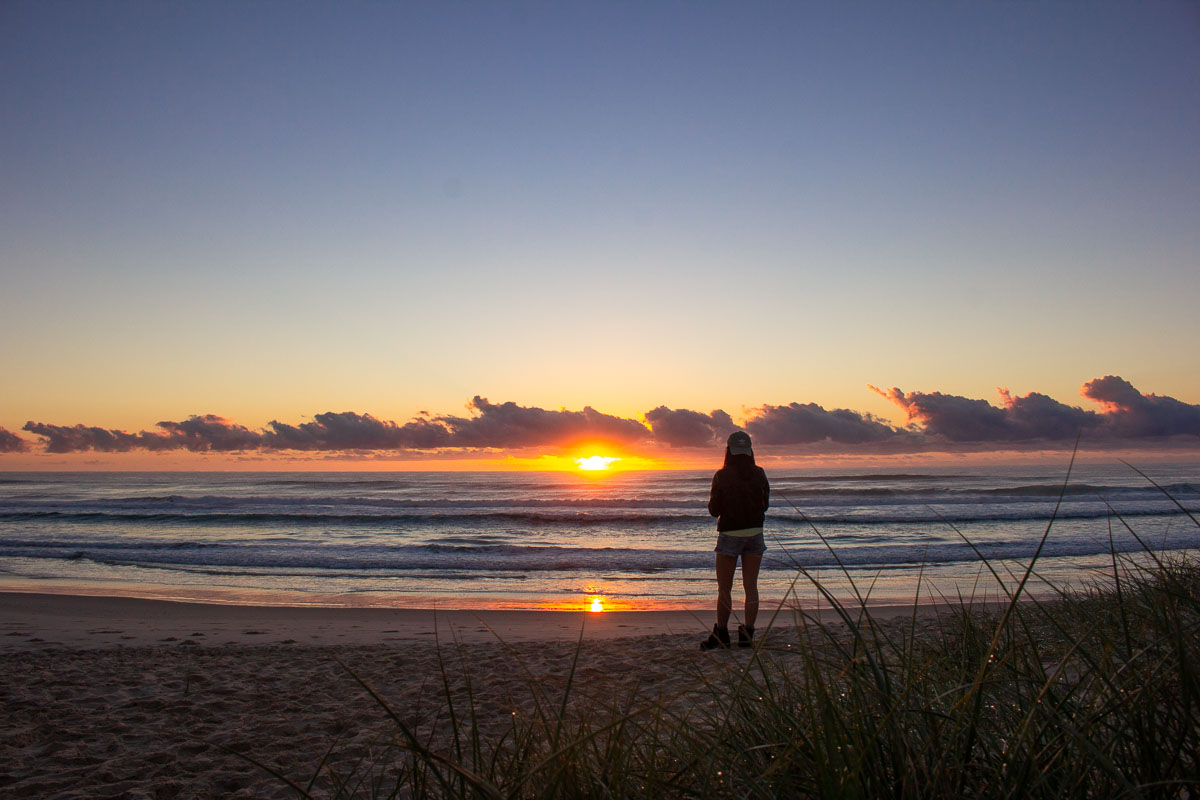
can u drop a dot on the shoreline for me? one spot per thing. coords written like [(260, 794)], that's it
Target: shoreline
[(41, 621), (112, 696), (119, 696)]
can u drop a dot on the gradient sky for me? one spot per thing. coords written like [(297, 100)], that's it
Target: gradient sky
[(272, 210)]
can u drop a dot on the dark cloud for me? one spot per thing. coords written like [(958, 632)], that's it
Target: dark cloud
[(685, 428), (494, 426), (806, 423), (504, 425), (76, 438), (934, 418), (10, 442), (350, 431), (964, 419), (509, 425), (206, 433), (959, 419), (1036, 416), (1129, 413), (197, 433)]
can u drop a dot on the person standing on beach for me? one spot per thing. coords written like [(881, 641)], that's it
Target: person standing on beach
[(739, 499)]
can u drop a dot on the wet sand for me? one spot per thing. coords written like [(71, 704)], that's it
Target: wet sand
[(118, 697)]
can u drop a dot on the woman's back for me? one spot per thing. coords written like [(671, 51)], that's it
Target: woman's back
[(740, 494)]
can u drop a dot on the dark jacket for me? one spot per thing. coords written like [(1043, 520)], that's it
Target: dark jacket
[(738, 503)]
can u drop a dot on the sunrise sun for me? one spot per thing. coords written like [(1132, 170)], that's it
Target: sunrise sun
[(593, 463)]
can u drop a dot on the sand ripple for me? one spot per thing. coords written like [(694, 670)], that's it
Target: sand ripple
[(160, 722)]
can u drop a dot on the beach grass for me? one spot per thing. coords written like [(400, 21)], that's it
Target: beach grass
[(1092, 692)]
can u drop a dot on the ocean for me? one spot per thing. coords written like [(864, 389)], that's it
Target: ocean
[(635, 540)]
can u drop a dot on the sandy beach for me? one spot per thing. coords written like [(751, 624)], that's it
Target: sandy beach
[(119, 697), (135, 698), (33, 621)]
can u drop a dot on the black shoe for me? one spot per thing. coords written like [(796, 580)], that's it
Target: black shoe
[(719, 638), (745, 636)]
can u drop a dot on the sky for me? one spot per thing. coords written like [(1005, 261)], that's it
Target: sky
[(359, 217)]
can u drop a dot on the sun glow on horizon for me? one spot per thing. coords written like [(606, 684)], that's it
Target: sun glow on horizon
[(595, 463), (570, 462), (597, 604)]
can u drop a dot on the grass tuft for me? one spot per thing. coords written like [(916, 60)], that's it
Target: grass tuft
[(1093, 693)]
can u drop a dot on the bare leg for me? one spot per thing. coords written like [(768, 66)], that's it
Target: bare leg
[(725, 569), (750, 565)]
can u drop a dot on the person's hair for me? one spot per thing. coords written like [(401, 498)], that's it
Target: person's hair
[(742, 464)]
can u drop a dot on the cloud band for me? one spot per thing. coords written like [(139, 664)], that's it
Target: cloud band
[(934, 419)]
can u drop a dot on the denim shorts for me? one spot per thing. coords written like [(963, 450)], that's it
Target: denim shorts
[(741, 545)]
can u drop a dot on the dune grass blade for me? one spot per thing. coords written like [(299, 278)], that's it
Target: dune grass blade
[(320, 764), (1088, 691), (985, 665), (1168, 495), (482, 786), (562, 709), (274, 773), (1112, 549), (446, 691)]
